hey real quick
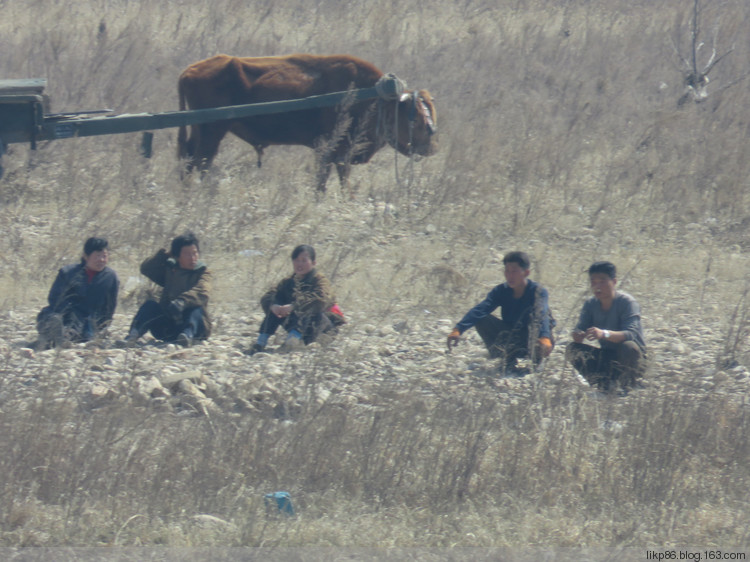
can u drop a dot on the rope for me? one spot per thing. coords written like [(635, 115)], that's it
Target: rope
[(410, 165), (391, 88)]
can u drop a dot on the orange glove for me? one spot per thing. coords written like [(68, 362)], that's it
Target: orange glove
[(453, 339), (545, 346)]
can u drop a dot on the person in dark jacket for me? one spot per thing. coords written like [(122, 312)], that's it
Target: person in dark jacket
[(525, 329), (303, 303), (181, 314), (82, 299), (611, 318)]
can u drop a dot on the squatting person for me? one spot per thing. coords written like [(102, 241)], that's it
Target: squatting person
[(525, 326), (303, 304), (613, 319), (181, 314), (82, 299)]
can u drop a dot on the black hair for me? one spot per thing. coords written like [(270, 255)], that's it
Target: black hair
[(187, 239), (304, 248), (95, 245), (605, 267), (521, 258)]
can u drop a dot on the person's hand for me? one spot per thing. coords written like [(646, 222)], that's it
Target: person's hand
[(175, 309), (579, 336), (594, 333), (453, 339), (545, 346), (281, 311)]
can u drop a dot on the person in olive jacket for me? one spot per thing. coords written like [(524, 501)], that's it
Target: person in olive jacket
[(82, 299), (181, 314), (303, 303)]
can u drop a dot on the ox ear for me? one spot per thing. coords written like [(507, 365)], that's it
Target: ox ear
[(405, 96)]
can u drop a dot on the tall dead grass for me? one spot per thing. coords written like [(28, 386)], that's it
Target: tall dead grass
[(560, 133), (467, 470)]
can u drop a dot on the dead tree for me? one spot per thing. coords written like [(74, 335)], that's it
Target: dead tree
[(695, 73)]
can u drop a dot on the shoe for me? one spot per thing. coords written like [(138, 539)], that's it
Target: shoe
[(42, 344), (184, 340), (511, 370), (130, 340), (257, 348), (515, 372), (291, 344), (125, 344)]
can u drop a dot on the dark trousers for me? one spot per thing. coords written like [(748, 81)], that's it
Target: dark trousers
[(504, 341), (151, 317), (309, 325), (606, 368)]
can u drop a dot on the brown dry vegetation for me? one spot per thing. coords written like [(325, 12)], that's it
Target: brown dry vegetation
[(560, 134)]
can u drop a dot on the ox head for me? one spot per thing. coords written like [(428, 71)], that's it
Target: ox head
[(417, 124)]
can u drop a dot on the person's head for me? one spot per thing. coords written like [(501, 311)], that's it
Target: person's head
[(303, 259), (517, 268), (95, 253), (603, 278), (185, 249)]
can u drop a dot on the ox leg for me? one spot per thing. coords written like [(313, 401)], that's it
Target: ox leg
[(187, 152), (206, 144)]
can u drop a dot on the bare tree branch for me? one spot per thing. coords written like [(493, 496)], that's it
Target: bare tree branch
[(716, 61), (696, 81), (733, 82)]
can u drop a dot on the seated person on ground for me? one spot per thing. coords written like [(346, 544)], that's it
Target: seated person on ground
[(303, 304), (525, 329), (613, 318), (181, 315), (82, 299)]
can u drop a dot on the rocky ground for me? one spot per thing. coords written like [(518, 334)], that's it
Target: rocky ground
[(355, 368)]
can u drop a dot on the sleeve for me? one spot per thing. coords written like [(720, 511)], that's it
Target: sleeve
[(267, 299), (585, 320), (481, 310), (197, 295), (276, 295), (155, 268), (58, 289), (630, 319), (314, 298), (284, 291), (111, 304), (541, 312)]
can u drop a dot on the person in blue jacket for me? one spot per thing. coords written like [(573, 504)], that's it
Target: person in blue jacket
[(525, 326), (82, 299)]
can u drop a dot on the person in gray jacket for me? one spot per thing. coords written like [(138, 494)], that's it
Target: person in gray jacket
[(613, 319)]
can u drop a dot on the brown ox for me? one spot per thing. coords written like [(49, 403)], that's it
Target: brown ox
[(339, 137)]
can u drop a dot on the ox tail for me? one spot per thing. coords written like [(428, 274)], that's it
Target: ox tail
[(182, 151)]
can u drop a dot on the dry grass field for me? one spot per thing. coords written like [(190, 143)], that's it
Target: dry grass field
[(560, 134)]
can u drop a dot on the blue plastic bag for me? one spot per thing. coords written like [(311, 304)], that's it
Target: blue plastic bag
[(282, 501)]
